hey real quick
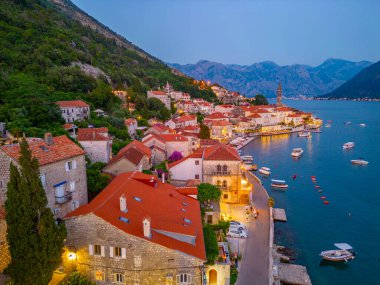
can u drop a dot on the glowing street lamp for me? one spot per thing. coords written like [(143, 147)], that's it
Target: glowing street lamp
[(71, 256)]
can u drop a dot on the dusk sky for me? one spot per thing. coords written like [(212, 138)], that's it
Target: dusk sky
[(245, 31)]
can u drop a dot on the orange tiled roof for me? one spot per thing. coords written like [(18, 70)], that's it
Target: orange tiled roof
[(220, 123), (158, 92), (93, 134), (254, 116), (221, 152), (130, 121), (137, 144), (159, 201), (188, 190), (215, 116), (62, 148), (68, 126), (74, 103)]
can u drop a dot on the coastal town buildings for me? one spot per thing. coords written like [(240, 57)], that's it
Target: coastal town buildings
[(160, 95), (138, 230), (62, 171), (133, 157), (97, 143), (76, 110), (131, 125), (182, 122), (217, 164), (221, 130)]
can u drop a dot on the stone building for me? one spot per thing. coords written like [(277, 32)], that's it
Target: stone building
[(62, 171), (138, 231), (131, 125), (160, 95), (97, 144), (75, 110), (217, 164), (133, 157)]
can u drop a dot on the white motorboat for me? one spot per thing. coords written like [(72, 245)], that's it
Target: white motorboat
[(327, 125), (281, 184), (304, 135), (347, 123), (362, 125), (343, 253), (348, 145), (359, 161), (247, 158), (264, 170), (297, 152)]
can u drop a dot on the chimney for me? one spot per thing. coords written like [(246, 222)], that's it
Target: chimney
[(146, 227), (49, 139), (123, 203)]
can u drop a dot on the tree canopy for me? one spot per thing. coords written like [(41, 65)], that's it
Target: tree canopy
[(208, 192)]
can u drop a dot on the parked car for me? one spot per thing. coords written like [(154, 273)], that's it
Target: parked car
[(236, 233), (236, 223)]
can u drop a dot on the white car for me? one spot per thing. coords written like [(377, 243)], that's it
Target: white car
[(236, 233), (237, 224)]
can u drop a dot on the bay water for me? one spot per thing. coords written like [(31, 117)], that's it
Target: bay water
[(353, 213)]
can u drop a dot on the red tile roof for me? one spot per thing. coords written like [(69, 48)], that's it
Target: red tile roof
[(137, 144), (133, 152), (254, 116), (74, 103), (162, 203), (130, 121), (93, 134), (161, 128), (215, 116), (221, 152), (62, 148), (158, 92), (185, 118), (220, 123), (68, 126), (187, 190)]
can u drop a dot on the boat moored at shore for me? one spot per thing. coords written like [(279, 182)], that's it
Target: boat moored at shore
[(359, 161), (348, 145), (265, 170), (280, 184), (305, 135)]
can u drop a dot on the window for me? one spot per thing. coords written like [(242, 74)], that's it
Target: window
[(99, 276), (196, 176), (42, 178), (97, 249), (138, 261), (188, 221), (197, 162), (225, 168), (117, 251), (224, 183), (71, 165), (184, 279), (225, 196), (218, 183), (55, 211), (72, 186), (119, 278), (218, 168), (74, 205)]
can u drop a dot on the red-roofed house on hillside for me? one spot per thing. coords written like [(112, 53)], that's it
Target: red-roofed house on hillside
[(76, 110), (182, 121), (159, 129), (160, 95), (133, 157), (131, 125), (138, 231), (296, 119), (62, 171), (219, 165), (97, 144), (164, 145), (220, 130), (224, 108)]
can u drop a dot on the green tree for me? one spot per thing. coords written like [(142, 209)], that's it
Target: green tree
[(96, 181), (207, 192), (211, 244), (35, 240), (77, 279), (261, 100), (204, 132)]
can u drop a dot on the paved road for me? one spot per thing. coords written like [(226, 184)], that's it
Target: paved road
[(254, 267)]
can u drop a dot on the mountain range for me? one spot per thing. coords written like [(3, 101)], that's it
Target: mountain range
[(263, 78), (366, 84)]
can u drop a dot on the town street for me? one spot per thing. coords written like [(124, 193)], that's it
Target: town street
[(254, 267)]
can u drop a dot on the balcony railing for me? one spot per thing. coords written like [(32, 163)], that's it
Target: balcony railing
[(225, 188), (227, 172), (63, 199)]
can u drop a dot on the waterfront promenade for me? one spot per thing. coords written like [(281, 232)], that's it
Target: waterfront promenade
[(254, 267)]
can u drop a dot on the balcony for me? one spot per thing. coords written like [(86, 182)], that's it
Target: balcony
[(225, 188), (63, 199), (222, 173)]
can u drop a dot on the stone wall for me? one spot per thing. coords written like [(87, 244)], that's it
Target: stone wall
[(5, 257), (97, 150), (158, 264)]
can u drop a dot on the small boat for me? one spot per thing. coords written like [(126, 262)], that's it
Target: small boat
[(343, 253), (347, 123), (248, 159), (304, 135), (359, 161), (279, 184), (327, 125), (297, 152), (264, 170), (362, 125), (348, 145)]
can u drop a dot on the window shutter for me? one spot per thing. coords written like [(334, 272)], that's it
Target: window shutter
[(124, 253), (178, 279), (111, 251), (189, 278), (114, 277), (102, 251), (91, 249), (74, 164), (67, 166)]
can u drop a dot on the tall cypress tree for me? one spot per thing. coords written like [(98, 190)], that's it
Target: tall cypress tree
[(35, 240)]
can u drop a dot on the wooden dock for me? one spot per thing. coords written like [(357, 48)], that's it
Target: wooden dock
[(279, 215)]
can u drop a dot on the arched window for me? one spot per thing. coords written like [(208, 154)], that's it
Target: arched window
[(225, 168), (219, 168), (218, 183), (224, 183)]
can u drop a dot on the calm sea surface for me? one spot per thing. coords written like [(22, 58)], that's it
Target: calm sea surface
[(353, 215)]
